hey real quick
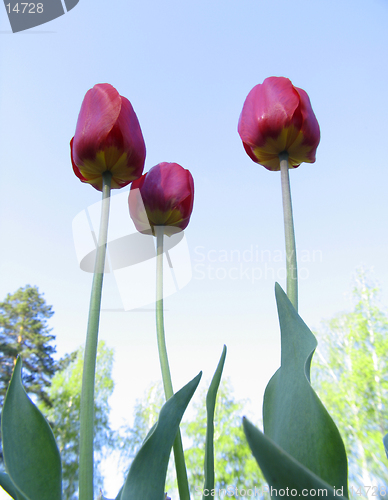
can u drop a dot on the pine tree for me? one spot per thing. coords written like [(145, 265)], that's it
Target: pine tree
[(24, 331)]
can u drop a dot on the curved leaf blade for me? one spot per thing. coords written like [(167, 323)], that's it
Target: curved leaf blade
[(294, 417), (283, 473), (210, 408), (385, 442), (8, 486), (147, 475), (31, 454), (119, 494)]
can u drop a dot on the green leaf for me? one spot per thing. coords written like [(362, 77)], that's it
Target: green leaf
[(294, 417), (385, 441), (30, 452), (8, 486), (210, 407), (147, 475), (282, 471)]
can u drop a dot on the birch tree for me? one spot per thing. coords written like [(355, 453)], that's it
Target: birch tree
[(351, 378)]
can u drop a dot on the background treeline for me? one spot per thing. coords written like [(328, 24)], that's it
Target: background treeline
[(349, 372)]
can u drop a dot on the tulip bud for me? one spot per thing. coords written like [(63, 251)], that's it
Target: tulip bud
[(277, 118), (107, 137), (163, 196)]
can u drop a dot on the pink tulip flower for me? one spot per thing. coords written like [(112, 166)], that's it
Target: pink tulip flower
[(107, 137), (277, 118), (163, 196)]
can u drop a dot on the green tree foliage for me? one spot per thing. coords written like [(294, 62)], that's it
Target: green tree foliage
[(234, 463), (146, 413), (65, 393), (24, 331), (351, 377)]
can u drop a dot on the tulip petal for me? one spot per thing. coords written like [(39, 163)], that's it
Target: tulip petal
[(310, 128), (108, 137), (277, 117), (130, 128), (279, 102), (75, 168), (267, 111), (166, 199), (169, 186), (99, 112)]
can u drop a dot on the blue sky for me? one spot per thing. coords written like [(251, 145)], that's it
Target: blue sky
[(187, 67)]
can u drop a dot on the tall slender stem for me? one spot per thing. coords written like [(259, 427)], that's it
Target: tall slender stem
[(180, 466), (166, 375), (292, 271), (88, 377)]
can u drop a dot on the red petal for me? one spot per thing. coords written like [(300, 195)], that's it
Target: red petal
[(310, 127), (75, 168), (137, 184), (165, 187), (99, 112), (268, 109), (278, 117), (167, 191), (133, 142)]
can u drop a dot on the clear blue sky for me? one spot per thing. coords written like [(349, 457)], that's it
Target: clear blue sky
[(187, 68)]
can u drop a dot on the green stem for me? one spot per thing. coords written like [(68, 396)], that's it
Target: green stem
[(88, 377), (180, 466), (292, 271)]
